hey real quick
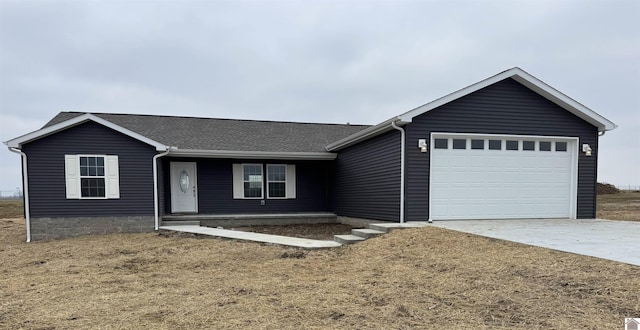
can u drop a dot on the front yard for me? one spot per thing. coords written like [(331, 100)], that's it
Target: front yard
[(418, 278), (428, 277)]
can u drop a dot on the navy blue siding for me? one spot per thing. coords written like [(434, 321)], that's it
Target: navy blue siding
[(47, 190), (506, 107), (368, 179), (215, 188)]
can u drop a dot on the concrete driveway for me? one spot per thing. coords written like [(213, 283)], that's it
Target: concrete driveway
[(607, 239)]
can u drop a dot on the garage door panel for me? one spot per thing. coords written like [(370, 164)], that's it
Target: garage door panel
[(493, 184)]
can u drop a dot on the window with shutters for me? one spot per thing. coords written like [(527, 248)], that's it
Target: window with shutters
[(92, 177), (92, 180), (249, 182)]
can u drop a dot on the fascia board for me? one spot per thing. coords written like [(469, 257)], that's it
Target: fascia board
[(564, 101), (367, 133), (17, 142), (530, 82), (175, 152), (409, 115)]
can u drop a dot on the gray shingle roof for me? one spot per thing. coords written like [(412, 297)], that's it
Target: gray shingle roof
[(227, 134)]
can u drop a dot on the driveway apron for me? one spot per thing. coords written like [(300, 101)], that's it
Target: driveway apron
[(607, 239)]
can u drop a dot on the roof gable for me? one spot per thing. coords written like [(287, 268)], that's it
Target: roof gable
[(517, 74), (80, 119), (528, 81)]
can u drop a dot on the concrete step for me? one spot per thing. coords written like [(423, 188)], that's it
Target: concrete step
[(181, 223), (348, 239), (378, 227), (366, 232), (389, 226)]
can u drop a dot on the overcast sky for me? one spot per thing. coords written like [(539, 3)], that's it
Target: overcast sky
[(313, 61)]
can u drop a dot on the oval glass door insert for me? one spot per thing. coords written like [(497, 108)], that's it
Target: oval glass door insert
[(184, 181)]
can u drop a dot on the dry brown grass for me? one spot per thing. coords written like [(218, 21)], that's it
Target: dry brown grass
[(418, 278), (621, 206), (11, 208)]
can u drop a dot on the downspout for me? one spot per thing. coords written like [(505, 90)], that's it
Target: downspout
[(402, 142), (155, 188), (25, 191)]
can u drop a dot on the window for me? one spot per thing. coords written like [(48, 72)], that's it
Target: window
[(545, 146), (477, 144), (512, 145), (529, 145), (459, 144), (441, 143), (276, 181), (561, 146), (92, 177), (252, 180), (249, 182), (495, 144), (92, 180)]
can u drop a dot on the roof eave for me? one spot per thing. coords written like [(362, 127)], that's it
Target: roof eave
[(564, 101), (530, 82), (252, 154), (49, 130), (367, 133)]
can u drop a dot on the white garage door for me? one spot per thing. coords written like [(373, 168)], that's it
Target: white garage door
[(502, 177)]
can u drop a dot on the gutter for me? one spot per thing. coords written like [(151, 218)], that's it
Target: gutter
[(402, 156), (25, 191), (252, 154), (365, 134), (155, 187)]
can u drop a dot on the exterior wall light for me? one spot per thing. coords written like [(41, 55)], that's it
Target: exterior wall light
[(422, 144), (586, 149)]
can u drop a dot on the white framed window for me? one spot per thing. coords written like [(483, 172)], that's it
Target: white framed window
[(252, 180), (92, 177), (276, 181), (249, 182)]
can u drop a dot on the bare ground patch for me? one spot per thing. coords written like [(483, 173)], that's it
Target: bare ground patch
[(427, 277), (321, 231), (621, 206)]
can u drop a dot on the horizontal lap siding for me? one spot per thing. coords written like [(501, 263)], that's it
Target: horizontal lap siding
[(215, 188), (46, 173), (368, 179), (506, 107)]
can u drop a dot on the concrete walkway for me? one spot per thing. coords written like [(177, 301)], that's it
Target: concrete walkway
[(256, 237), (607, 239)]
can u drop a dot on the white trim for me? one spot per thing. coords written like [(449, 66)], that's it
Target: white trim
[(502, 136), (572, 146), (530, 82), (25, 190), (238, 184), (261, 181), (517, 74), (367, 133), (291, 181), (17, 142), (402, 156), (111, 177), (156, 209), (73, 178), (252, 154)]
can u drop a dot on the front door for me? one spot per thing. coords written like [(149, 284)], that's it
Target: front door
[(184, 192)]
